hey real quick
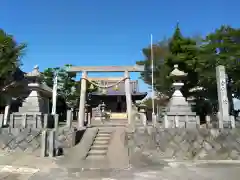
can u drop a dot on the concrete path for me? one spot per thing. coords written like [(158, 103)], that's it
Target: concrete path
[(178, 171), (20, 167)]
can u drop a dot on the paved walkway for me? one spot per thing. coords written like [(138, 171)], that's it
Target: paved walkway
[(19, 167), (179, 172)]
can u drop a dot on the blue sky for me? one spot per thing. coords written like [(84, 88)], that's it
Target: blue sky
[(106, 32)]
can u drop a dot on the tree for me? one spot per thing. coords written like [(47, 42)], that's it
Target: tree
[(177, 50), (161, 102), (199, 59), (221, 48), (68, 87), (160, 52), (10, 59)]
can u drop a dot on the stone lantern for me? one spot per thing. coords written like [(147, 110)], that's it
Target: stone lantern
[(178, 106), (177, 102), (37, 101)]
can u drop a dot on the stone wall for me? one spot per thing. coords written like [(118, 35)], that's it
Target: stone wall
[(37, 134), (67, 137), (189, 144), (20, 140), (30, 140)]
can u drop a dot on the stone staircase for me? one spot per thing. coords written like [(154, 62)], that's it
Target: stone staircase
[(99, 147), (109, 123)]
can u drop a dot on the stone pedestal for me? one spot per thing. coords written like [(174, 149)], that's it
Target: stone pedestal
[(33, 107), (34, 103)]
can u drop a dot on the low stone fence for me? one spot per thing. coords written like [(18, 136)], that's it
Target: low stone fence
[(17, 120), (190, 121), (181, 121), (38, 134), (187, 144)]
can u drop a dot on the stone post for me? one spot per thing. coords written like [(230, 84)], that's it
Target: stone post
[(11, 123), (165, 121), (222, 96), (128, 96), (197, 121), (24, 120), (69, 118), (86, 118), (1, 120), (176, 119), (89, 119), (7, 111), (233, 125), (208, 122), (186, 121), (45, 121), (44, 143), (52, 137), (56, 121), (81, 114)]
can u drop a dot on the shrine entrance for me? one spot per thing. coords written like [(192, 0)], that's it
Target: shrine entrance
[(126, 79)]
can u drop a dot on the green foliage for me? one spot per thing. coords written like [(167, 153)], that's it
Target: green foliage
[(10, 58), (68, 88), (199, 59), (222, 48), (176, 50), (161, 102)]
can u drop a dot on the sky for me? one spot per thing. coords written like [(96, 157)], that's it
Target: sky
[(106, 32)]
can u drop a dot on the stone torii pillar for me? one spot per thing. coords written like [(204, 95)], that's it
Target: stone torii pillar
[(81, 113), (85, 69), (128, 96)]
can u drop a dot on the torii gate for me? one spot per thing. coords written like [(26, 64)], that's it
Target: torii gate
[(86, 69)]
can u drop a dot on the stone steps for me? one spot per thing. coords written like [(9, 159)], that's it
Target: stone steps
[(109, 123), (97, 152), (99, 148)]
